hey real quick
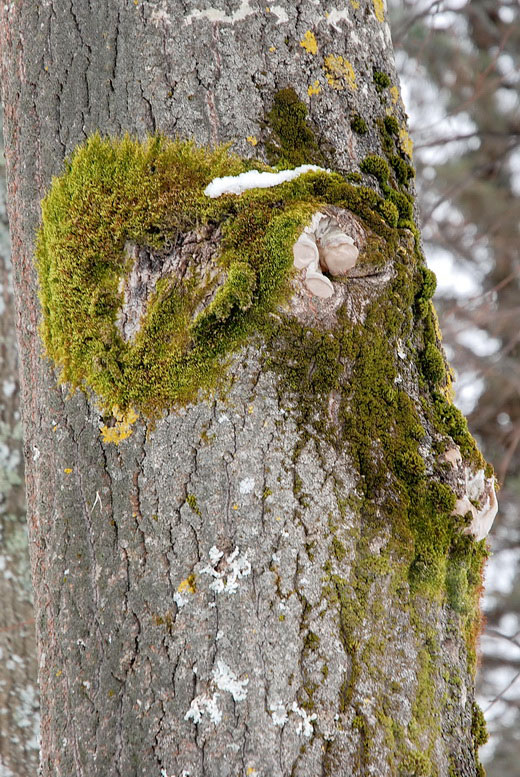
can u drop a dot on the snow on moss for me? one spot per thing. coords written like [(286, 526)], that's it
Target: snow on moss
[(255, 179)]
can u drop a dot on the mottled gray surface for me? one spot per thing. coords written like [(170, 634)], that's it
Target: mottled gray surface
[(19, 720), (131, 634)]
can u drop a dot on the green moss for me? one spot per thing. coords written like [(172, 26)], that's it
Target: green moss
[(387, 139), (191, 500), (428, 285), (478, 726), (391, 125), (389, 212), (403, 171), (416, 764), (120, 191), (457, 586), (358, 124), (292, 141), (338, 549), (376, 166), (402, 203), (433, 364), (441, 497), (381, 80), (312, 641)]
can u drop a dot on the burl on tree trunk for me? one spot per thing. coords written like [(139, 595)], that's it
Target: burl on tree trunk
[(255, 516)]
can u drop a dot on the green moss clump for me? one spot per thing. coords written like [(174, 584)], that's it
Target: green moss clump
[(358, 124), (402, 203), (292, 142), (115, 192), (376, 166), (381, 80), (441, 497), (478, 726), (237, 294), (427, 287), (389, 212), (391, 125), (338, 549), (416, 764), (403, 171), (434, 367), (312, 641), (457, 586), (191, 500)]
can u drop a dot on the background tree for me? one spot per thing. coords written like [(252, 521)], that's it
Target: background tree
[(318, 474), (19, 741)]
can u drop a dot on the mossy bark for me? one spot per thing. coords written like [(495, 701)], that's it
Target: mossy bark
[(267, 580)]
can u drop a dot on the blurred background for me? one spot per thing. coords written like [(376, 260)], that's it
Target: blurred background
[(459, 64)]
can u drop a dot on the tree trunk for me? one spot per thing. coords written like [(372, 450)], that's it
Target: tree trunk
[(19, 729), (267, 580)]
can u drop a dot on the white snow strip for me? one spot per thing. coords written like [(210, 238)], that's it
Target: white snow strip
[(226, 680), (254, 179), (216, 15)]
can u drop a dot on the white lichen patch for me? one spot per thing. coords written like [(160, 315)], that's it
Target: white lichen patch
[(280, 13), (180, 600), (215, 555), (278, 713), (8, 388), (204, 704), (216, 15), (334, 16), (226, 680), (255, 179), (305, 727), (234, 568), (246, 485)]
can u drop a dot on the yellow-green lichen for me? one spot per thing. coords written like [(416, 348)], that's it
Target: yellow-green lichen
[(379, 10), (309, 43), (314, 89), (339, 72)]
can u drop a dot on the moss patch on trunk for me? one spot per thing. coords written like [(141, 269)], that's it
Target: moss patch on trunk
[(116, 191)]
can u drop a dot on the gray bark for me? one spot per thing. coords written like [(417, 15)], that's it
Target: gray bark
[(126, 641), (19, 730)]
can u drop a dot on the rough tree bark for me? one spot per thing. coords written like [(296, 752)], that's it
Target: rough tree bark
[(19, 740), (340, 639)]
